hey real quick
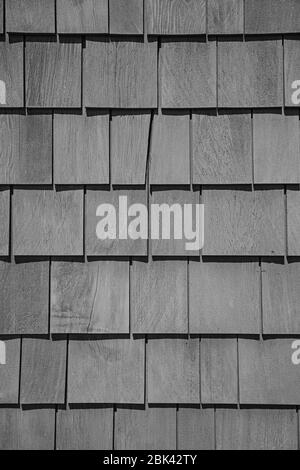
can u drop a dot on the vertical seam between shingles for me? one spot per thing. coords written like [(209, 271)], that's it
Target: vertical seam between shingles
[(261, 298), (20, 370), (49, 296), (286, 238), (238, 371), (217, 74), (191, 150), (199, 355), (283, 71), (159, 79), (67, 370), (55, 16), (145, 373), (55, 428), (188, 295), (130, 267), (252, 149), (244, 17)]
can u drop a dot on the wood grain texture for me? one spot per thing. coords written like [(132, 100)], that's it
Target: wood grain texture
[(9, 372), (30, 429), (5, 222), (170, 150), (267, 374), (24, 290), (12, 72), (276, 148), (219, 366), (48, 222), (84, 429), (53, 73), (82, 16), (120, 74), (239, 222), (145, 429), (43, 371), (293, 222), (281, 298), (225, 16), (1, 16), (118, 246), (172, 246), (188, 74), (173, 371), (90, 297), (272, 16), (159, 297), (224, 298), (222, 149), (242, 78), (106, 371), (30, 16), (129, 147), (126, 17), (195, 429), (81, 149), (291, 69), (256, 429), (176, 17)]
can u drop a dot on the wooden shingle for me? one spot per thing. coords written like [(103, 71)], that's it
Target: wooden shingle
[(240, 222), (30, 429), (173, 371), (5, 222), (224, 297), (126, 16), (256, 429), (267, 375), (129, 147), (188, 74), (159, 297), (84, 429), (10, 372), (81, 149), (140, 429), (53, 73), (281, 298), (176, 199), (242, 78), (90, 297), (225, 16), (47, 222), (1, 16), (293, 222), (106, 371), (118, 246), (195, 429), (30, 16), (12, 73), (219, 379), (176, 17), (170, 150), (292, 71), (120, 74), (82, 17), (26, 149), (24, 291), (272, 16), (276, 140), (43, 371), (222, 149)]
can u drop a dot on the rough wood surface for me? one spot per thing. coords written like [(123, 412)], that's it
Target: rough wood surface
[(170, 150), (43, 371), (225, 16), (53, 73), (81, 149), (83, 16), (224, 297), (30, 16), (272, 16), (291, 71), (84, 429), (106, 371), (129, 147), (12, 72), (90, 297), (159, 297), (267, 375), (126, 16), (5, 222), (242, 78), (240, 222), (256, 429), (195, 429), (293, 222), (140, 429), (222, 149), (173, 370), (188, 74), (48, 222), (10, 372)]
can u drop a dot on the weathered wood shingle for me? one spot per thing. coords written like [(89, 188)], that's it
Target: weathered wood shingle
[(30, 16), (272, 16), (82, 17), (126, 16), (225, 16), (12, 73), (195, 429), (10, 372)]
